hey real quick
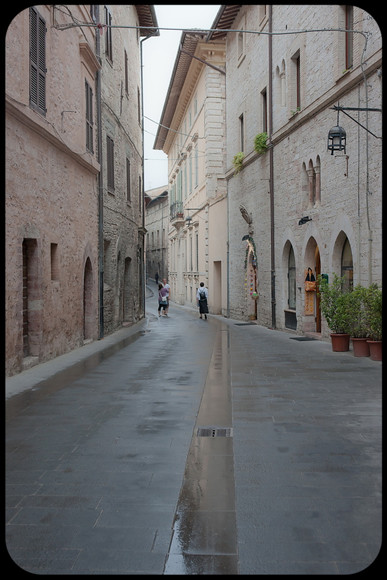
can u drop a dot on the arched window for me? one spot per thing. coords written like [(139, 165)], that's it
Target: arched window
[(291, 280), (347, 265)]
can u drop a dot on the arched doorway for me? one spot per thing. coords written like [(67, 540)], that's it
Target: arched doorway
[(88, 301), (342, 260), (312, 269)]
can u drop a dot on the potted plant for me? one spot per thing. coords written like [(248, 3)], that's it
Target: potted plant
[(335, 306), (238, 162), (359, 323), (260, 144), (374, 314)]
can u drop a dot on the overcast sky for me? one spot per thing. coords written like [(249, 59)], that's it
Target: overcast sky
[(159, 55)]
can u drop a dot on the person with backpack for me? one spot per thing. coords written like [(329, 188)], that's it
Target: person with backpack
[(163, 300), (201, 298)]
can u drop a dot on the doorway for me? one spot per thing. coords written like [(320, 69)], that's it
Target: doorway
[(318, 272), (217, 289), (312, 269), (88, 301)]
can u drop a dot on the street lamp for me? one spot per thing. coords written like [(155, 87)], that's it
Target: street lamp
[(336, 138), (188, 219)]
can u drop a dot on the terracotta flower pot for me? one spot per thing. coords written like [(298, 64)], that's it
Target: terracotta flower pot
[(340, 342), (375, 349), (360, 347)]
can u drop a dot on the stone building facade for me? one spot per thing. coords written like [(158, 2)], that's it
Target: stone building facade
[(191, 133), (157, 226), (295, 206), (55, 177), (51, 187), (122, 153)]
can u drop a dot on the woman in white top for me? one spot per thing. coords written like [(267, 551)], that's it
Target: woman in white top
[(202, 297)]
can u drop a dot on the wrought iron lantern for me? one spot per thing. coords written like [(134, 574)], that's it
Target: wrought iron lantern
[(337, 138)]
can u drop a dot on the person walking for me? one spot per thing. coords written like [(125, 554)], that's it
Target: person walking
[(163, 300), (157, 278), (202, 298), (167, 286)]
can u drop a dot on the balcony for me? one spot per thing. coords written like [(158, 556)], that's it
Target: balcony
[(177, 214)]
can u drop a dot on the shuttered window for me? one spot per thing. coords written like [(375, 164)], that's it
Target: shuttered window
[(89, 117), (110, 162), (128, 192), (108, 36), (37, 61)]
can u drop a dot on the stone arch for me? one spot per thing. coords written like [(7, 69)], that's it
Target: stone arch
[(342, 258), (289, 285), (88, 309)]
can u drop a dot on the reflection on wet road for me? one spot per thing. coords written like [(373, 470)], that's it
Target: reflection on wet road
[(204, 533)]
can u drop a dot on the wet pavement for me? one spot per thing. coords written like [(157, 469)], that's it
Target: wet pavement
[(185, 446)]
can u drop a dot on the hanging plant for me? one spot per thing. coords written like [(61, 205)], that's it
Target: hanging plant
[(250, 246), (260, 144), (238, 162)]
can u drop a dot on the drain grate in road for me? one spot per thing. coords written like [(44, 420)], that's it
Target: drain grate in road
[(301, 338), (214, 432), (245, 324)]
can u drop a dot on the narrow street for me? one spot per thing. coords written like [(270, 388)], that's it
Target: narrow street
[(187, 446)]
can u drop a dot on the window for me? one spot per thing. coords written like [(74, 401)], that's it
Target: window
[(295, 79), (108, 35), (241, 133), (190, 173), (128, 192), (89, 117), (264, 110), (54, 262), (298, 82), (110, 162), (126, 72), (348, 37), (37, 61), (139, 194)]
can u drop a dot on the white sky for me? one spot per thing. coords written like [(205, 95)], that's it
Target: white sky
[(159, 55)]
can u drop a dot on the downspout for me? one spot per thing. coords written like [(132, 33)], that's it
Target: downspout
[(142, 181), (100, 188), (271, 179)]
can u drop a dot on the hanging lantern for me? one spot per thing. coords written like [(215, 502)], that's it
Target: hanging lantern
[(337, 138)]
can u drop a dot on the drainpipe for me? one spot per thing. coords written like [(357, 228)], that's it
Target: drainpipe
[(100, 186), (142, 273), (271, 181)]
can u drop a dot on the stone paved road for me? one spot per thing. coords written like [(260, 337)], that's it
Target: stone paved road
[(106, 472)]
